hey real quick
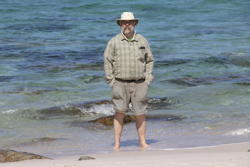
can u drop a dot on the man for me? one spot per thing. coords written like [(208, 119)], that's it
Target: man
[(128, 65)]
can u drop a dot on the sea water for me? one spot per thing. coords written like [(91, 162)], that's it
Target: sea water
[(51, 55)]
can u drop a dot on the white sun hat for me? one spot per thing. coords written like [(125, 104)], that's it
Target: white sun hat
[(127, 16)]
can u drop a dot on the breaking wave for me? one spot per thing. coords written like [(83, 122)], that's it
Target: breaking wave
[(240, 132)]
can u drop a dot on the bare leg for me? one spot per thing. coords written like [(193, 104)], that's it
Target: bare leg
[(118, 126), (141, 130)]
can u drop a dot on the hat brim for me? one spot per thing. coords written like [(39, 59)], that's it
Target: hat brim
[(119, 20)]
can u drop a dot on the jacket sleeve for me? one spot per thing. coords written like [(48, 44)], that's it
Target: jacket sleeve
[(108, 63), (149, 63)]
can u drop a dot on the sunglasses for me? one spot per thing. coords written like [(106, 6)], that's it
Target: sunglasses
[(127, 22)]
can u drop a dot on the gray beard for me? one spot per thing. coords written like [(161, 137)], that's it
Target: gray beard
[(126, 31)]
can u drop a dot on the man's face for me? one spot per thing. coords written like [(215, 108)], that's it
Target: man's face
[(127, 27)]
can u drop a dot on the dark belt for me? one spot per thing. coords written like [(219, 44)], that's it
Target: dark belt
[(129, 81)]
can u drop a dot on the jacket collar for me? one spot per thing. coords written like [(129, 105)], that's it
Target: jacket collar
[(123, 37)]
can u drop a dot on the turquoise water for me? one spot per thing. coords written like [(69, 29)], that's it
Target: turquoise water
[(51, 56)]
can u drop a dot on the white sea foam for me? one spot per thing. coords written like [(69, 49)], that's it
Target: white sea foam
[(240, 132), (8, 111), (106, 109)]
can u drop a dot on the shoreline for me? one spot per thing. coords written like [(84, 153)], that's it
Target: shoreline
[(224, 155)]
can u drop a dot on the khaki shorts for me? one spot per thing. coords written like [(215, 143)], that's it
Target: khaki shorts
[(134, 93)]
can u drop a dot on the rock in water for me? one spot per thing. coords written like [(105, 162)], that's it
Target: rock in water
[(5, 78), (190, 81), (86, 158), (12, 156), (109, 120)]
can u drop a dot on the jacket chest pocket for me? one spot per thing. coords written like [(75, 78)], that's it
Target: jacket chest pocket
[(141, 54)]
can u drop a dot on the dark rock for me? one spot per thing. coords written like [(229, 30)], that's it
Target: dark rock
[(108, 120), (165, 117), (9, 48), (44, 139), (248, 150), (38, 92), (72, 109), (32, 91), (86, 158), (88, 109), (90, 66), (216, 60), (243, 83), (39, 27), (40, 140), (12, 156), (157, 103), (91, 78), (59, 111), (89, 125), (240, 60), (6, 78), (189, 81), (228, 58), (91, 104), (171, 62)]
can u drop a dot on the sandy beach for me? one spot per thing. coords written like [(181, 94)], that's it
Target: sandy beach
[(227, 155)]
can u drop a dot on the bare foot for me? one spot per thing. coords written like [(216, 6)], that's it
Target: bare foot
[(144, 145), (116, 148)]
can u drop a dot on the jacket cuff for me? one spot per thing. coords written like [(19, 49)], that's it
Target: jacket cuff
[(149, 79), (111, 83)]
